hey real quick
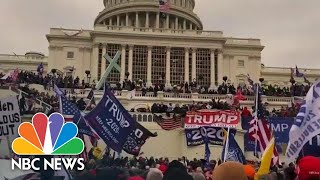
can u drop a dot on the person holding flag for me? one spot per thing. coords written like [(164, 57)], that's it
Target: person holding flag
[(266, 160), (231, 150), (260, 130), (306, 124), (40, 69)]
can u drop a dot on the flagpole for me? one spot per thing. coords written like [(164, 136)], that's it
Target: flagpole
[(256, 118), (227, 146), (88, 104), (60, 104)]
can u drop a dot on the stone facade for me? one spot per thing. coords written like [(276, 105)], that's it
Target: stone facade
[(167, 48), (173, 48), (28, 62)]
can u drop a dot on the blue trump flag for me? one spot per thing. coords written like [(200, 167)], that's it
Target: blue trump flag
[(111, 121), (207, 151), (234, 152)]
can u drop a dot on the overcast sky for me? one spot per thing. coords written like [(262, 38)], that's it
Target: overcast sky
[(288, 28)]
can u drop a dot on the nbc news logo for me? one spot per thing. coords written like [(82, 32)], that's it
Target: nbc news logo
[(48, 136)]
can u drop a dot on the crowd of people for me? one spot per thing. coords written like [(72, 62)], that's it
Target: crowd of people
[(26, 77), (220, 105), (140, 168), (224, 88), (140, 85), (27, 102), (109, 167)]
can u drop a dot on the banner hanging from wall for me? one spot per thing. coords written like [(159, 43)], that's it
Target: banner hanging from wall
[(194, 137), (281, 128), (9, 117), (212, 118)]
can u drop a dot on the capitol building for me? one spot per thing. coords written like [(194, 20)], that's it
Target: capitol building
[(170, 48)]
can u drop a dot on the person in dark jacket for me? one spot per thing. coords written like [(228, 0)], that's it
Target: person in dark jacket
[(81, 104)]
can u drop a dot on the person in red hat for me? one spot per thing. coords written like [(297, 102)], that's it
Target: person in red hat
[(163, 168), (308, 168)]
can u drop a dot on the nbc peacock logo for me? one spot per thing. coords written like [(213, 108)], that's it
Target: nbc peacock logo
[(48, 136)]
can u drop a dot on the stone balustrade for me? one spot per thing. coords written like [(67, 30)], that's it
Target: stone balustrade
[(194, 33), (21, 58), (136, 97), (283, 70)]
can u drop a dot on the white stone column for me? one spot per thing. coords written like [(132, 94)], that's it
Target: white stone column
[(190, 25), (220, 66), (110, 21), (137, 19), (176, 24), (194, 63), (168, 58), (147, 19), (103, 60), (167, 21), (149, 66), (118, 20), (130, 62), (123, 63), (184, 24), (158, 20), (212, 73), (186, 65), (94, 62), (127, 19)]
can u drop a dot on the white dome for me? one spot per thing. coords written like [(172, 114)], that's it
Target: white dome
[(119, 10)]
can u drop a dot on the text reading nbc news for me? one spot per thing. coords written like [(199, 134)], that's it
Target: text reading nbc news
[(56, 164)]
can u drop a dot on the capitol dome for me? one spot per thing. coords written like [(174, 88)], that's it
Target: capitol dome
[(146, 14)]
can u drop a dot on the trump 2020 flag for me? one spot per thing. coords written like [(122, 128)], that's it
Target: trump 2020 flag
[(234, 152), (111, 121), (307, 123)]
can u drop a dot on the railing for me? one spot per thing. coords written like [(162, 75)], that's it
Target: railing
[(44, 105), (124, 94), (239, 41), (9, 57), (199, 33), (288, 70)]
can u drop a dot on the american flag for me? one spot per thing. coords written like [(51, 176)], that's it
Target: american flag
[(169, 123), (164, 6), (259, 127), (71, 113)]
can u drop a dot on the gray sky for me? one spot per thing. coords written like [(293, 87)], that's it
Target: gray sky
[(288, 28)]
